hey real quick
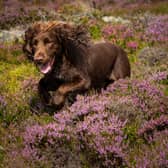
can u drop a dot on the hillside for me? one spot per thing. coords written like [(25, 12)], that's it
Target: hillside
[(124, 125)]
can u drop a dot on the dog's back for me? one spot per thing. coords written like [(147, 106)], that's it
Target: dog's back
[(107, 62)]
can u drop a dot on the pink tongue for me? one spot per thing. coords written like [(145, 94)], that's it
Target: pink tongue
[(45, 68)]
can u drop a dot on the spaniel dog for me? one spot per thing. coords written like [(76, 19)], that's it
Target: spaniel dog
[(70, 62)]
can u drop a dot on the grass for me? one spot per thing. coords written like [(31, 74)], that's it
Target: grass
[(159, 8), (95, 32), (16, 75)]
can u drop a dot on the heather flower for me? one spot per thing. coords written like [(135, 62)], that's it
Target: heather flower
[(102, 134), (159, 76), (98, 133), (94, 103), (148, 98), (151, 126), (108, 30), (96, 122), (140, 21), (157, 29), (16, 12), (118, 32), (89, 122), (132, 45), (128, 34), (1, 45), (154, 155), (153, 56), (142, 94), (37, 136)]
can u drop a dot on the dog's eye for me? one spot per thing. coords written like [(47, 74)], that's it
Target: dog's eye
[(46, 41), (35, 42)]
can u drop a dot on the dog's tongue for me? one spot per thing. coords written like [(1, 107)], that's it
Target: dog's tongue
[(45, 68)]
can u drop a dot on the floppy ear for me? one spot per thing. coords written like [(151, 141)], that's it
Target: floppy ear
[(29, 35), (27, 46), (61, 32), (75, 41), (71, 33)]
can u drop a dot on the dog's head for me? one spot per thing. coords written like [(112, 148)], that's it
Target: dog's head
[(46, 50), (42, 47), (45, 43)]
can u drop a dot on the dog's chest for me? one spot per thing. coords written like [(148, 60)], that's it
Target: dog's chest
[(65, 71)]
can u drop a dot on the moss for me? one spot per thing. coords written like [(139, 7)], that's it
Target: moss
[(85, 163), (160, 8), (2, 149), (11, 87), (44, 118), (95, 32), (16, 53), (15, 75), (166, 91), (155, 8), (2, 155), (131, 137), (15, 113), (71, 9)]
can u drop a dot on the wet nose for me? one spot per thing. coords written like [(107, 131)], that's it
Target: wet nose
[(39, 58)]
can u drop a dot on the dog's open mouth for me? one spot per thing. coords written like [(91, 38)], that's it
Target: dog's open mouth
[(47, 66)]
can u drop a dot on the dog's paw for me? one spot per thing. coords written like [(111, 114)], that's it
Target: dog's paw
[(58, 99)]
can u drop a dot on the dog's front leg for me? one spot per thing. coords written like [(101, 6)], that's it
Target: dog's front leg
[(45, 85), (80, 84), (43, 92)]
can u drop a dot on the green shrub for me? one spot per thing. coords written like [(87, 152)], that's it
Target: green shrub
[(95, 32)]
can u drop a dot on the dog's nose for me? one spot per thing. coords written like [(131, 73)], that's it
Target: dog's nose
[(39, 58)]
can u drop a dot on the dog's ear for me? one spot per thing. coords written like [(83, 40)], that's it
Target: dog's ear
[(62, 32), (78, 34), (30, 33), (27, 46)]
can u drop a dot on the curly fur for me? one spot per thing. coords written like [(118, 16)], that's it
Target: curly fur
[(78, 63)]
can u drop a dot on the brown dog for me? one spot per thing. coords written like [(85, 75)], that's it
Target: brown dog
[(70, 62)]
